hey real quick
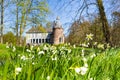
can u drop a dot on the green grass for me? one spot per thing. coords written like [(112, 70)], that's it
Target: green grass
[(59, 63)]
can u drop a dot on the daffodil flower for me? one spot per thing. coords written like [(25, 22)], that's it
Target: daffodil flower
[(18, 70), (89, 36)]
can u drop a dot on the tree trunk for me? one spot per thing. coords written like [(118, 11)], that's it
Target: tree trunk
[(21, 31), (104, 21), (17, 37), (2, 14)]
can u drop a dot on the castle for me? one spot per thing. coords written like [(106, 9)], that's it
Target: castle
[(51, 36)]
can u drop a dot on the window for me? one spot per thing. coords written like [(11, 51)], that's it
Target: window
[(42, 40), (36, 40), (39, 40), (60, 39), (46, 40), (33, 40)]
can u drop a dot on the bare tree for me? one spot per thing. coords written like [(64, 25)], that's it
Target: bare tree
[(16, 26), (85, 6)]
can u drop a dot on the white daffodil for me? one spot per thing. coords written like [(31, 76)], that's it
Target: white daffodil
[(23, 57), (14, 49), (48, 77), (18, 70), (74, 46), (83, 70), (7, 46), (77, 70), (69, 50), (54, 59), (93, 55), (28, 50), (32, 56), (52, 48), (82, 52), (41, 52), (68, 43), (85, 65), (33, 63), (18, 55), (91, 79), (84, 59), (54, 51), (89, 36), (45, 47), (95, 43), (108, 45), (84, 45), (101, 46)]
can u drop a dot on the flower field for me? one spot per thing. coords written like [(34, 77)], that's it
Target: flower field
[(61, 62)]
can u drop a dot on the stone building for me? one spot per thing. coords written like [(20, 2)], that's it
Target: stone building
[(51, 36)]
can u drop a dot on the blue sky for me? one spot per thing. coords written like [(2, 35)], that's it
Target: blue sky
[(65, 9), (59, 8)]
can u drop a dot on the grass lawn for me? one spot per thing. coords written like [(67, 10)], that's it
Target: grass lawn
[(62, 62)]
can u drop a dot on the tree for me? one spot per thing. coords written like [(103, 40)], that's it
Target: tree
[(16, 28), (115, 29), (3, 5), (49, 25), (41, 28), (2, 19), (104, 21), (31, 9), (96, 30), (84, 8), (78, 32), (9, 37)]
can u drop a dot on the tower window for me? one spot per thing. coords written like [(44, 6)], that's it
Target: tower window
[(60, 39)]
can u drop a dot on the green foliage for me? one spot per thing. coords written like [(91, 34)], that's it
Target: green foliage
[(9, 37), (41, 28), (78, 32), (49, 25)]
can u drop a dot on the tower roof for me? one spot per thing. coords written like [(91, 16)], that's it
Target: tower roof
[(57, 23), (57, 18)]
